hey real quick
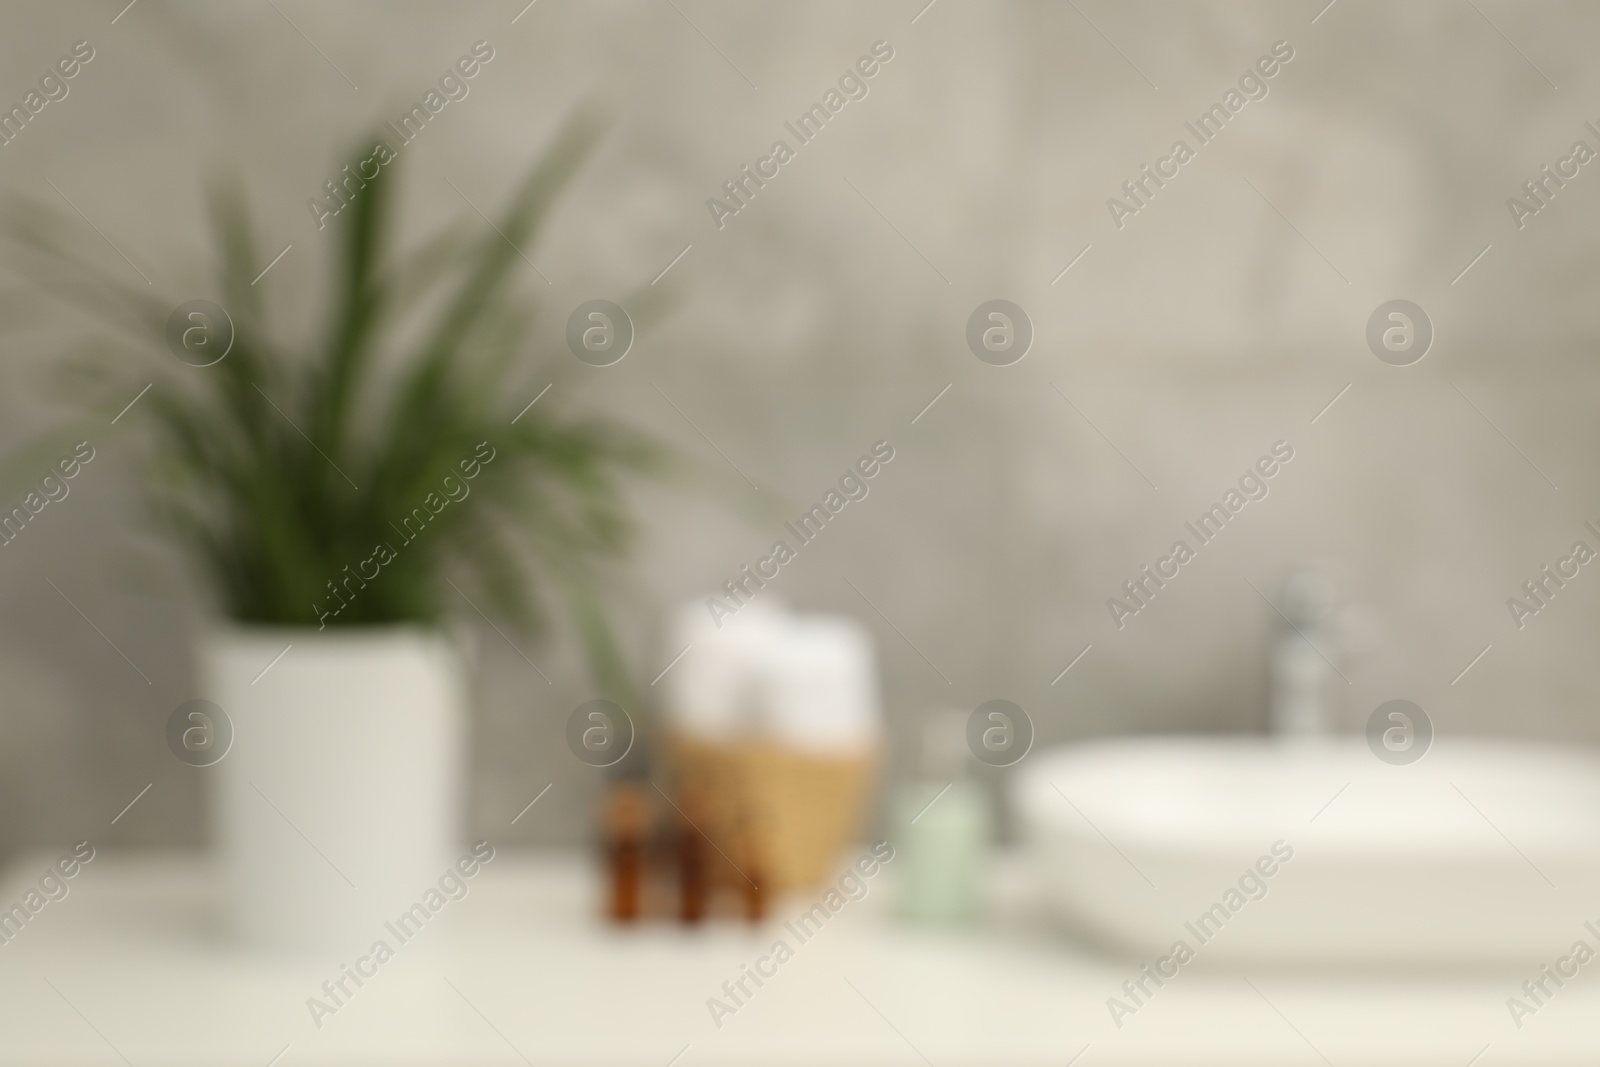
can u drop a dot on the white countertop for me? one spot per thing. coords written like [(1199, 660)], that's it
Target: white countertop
[(521, 970)]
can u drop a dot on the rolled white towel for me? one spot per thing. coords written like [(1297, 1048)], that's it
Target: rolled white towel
[(711, 693), (818, 686)]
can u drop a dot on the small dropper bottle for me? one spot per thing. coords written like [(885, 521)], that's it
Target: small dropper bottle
[(625, 836), (693, 854)]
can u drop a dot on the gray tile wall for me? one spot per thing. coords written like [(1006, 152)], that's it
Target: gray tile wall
[(827, 313)]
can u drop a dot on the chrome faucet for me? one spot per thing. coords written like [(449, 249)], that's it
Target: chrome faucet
[(1305, 688)]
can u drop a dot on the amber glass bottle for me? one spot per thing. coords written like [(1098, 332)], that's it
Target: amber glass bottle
[(625, 835)]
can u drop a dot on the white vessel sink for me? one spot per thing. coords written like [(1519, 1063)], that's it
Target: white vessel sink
[(1481, 851)]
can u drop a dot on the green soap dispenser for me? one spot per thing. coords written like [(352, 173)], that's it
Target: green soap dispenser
[(944, 822)]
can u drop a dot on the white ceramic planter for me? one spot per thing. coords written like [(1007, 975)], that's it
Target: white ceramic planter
[(339, 803)]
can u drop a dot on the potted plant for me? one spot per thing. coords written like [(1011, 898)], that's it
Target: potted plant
[(342, 499)]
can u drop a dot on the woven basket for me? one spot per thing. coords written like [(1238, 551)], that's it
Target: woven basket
[(778, 816)]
